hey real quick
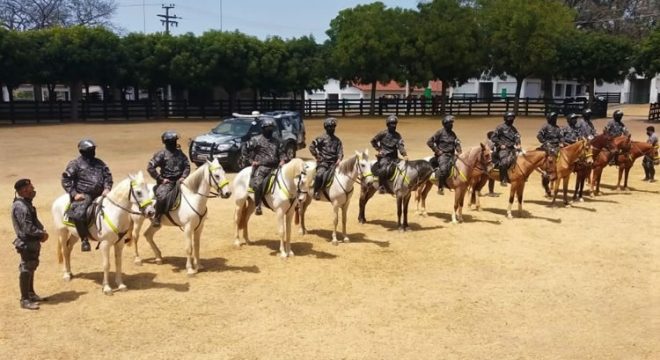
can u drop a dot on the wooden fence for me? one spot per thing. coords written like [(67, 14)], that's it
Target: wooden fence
[(61, 111), (654, 112)]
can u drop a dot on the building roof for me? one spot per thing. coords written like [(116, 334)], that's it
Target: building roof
[(436, 85)]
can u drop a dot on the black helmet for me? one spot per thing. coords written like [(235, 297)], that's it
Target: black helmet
[(448, 119), (509, 115), (329, 122), (392, 119), (169, 136), (618, 115), (552, 116), (267, 122), (86, 144), (586, 113), (572, 118)]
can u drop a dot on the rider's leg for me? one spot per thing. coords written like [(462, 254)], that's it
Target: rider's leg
[(319, 180)]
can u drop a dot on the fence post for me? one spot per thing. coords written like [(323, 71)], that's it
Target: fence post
[(105, 110), (326, 107), (343, 107), (11, 112), (396, 108), (36, 108), (61, 113), (469, 107), (488, 109), (202, 107)]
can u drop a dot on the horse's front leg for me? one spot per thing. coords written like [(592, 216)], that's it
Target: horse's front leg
[(406, 202), (618, 181), (237, 224), (625, 177), (555, 191), (135, 236), (512, 193), (335, 222), (281, 231), (366, 192), (399, 209), (197, 236), (565, 182), (66, 241), (105, 255), (188, 233), (344, 211), (519, 193), (300, 213), (119, 249), (149, 236), (287, 231)]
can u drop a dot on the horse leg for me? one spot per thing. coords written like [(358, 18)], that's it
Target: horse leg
[(149, 236), (406, 202), (189, 235), (344, 211), (399, 209), (287, 230), (197, 236), (626, 172), (335, 222), (366, 192), (135, 236), (454, 214), (577, 193), (519, 193), (618, 181), (555, 190), (512, 193), (105, 251), (65, 246), (420, 196), (565, 182), (301, 215), (281, 232), (119, 249), (460, 196)]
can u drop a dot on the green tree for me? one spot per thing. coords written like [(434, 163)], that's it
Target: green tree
[(591, 57), (14, 60), (364, 46), (186, 68), (307, 68), (647, 55), (274, 70), (450, 44), (522, 36)]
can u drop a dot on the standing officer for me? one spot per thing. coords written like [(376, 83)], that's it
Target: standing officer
[(445, 145), (388, 144), (84, 179), (174, 166), (550, 138), (328, 151), (30, 234), (265, 153), (506, 139), (648, 162)]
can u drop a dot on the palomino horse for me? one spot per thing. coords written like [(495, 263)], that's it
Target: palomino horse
[(602, 155), (564, 166), (463, 173), (518, 174), (111, 222), (625, 162), (190, 214), (408, 176), (290, 185), (354, 169)]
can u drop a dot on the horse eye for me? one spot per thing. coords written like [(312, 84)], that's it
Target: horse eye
[(138, 193)]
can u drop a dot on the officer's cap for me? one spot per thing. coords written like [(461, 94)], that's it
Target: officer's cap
[(21, 184)]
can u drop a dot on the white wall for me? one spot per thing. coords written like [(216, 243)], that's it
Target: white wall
[(333, 87)]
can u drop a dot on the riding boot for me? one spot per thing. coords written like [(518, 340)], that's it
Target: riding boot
[(646, 173), (32, 294), (318, 183), (382, 181), (83, 232), (24, 284), (504, 176), (442, 182), (155, 222), (257, 200), (652, 174)]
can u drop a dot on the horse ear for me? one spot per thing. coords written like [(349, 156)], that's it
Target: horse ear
[(366, 152), (482, 146)]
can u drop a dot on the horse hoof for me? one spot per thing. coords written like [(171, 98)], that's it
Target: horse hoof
[(159, 261), (107, 291), (291, 254), (346, 239), (581, 200), (137, 262), (509, 216), (122, 288), (191, 273), (67, 277), (237, 244), (283, 256), (335, 242)]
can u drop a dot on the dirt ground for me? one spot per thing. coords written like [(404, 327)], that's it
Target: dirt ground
[(559, 283)]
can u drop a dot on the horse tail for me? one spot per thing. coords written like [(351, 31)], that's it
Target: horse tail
[(60, 256)]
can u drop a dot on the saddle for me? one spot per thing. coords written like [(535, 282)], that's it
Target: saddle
[(91, 213), (267, 185), (172, 201)]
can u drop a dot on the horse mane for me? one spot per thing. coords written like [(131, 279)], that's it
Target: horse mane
[(292, 168), (121, 191), (346, 166), (194, 180)]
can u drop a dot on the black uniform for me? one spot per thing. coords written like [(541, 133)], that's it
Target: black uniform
[(267, 153), (174, 166), (89, 177), (445, 145), (587, 128), (570, 134), (648, 161), (389, 145), (29, 232), (509, 137), (327, 150), (615, 128), (550, 137)]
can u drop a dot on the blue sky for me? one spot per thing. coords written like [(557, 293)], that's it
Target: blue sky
[(261, 18)]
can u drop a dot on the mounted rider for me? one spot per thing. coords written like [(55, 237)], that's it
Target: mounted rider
[(506, 139), (388, 144), (614, 128), (550, 137), (174, 167), (265, 152), (587, 128), (84, 179), (445, 145), (328, 151), (571, 133)]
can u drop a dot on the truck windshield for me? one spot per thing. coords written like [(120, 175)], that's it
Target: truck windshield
[(234, 128)]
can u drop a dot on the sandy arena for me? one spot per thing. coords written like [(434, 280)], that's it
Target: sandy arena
[(560, 283)]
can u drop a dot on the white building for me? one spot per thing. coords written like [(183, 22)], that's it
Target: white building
[(506, 87)]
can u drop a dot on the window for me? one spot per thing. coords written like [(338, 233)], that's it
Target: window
[(569, 90), (558, 90), (578, 90)]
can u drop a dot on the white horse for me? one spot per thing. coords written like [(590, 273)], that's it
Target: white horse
[(111, 222), (290, 185), (190, 214), (354, 169)]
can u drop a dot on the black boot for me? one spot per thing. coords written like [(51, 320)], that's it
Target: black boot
[(32, 294), (504, 176), (83, 233), (442, 182), (652, 175), (24, 284), (257, 200), (84, 245), (382, 181), (646, 174), (318, 183)]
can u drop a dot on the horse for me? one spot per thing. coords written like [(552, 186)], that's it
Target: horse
[(464, 171), (111, 221), (602, 155), (625, 162), (408, 176), (564, 166), (189, 215), (518, 174), (291, 184), (354, 169)]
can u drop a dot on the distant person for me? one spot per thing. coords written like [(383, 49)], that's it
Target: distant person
[(648, 163), (507, 142), (388, 144), (328, 151)]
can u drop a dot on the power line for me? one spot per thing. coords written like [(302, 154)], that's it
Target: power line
[(167, 18)]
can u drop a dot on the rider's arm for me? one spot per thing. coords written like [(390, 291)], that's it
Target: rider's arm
[(69, 177), (402, 148), (107, 177), (186, 168), (340, 151), (153, 164)]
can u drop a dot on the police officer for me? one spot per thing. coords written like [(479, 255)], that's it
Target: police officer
[(571, 133), (265, 152), (445, 145), (587, 128), (550, 138), (84, 179), (328, 151), (613, 129), (506, 139), (648, 162), (30, 233), (174, 166), (388, 144)]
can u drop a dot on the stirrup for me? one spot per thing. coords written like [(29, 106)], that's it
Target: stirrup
[(85, 246)]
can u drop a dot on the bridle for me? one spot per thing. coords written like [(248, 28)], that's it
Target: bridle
[(218, 185), (142, 205)]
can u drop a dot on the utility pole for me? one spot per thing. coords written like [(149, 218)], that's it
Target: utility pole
[(167, 18)]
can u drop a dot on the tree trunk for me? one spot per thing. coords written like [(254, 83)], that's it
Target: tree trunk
[(75, 99), (519, 81), (36, 88), (372, 108), (52, 96), (86, 92)]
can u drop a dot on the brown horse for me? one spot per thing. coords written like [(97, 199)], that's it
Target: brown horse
[(566, 159), (462, 173), (518, 174), (602, 154), (625, 162)]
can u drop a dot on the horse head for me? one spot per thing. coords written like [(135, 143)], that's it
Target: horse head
[(587, 154), (364, 167), (139, 193), (218, 178), (622, 142), (486, 158)]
